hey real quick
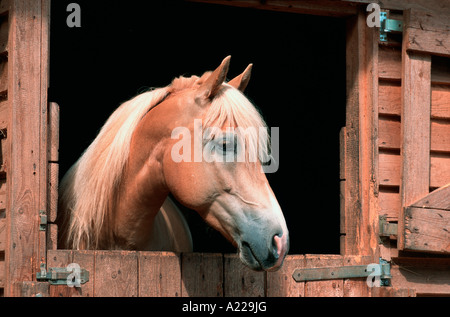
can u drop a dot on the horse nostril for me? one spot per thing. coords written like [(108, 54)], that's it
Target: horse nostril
[(277, 244)]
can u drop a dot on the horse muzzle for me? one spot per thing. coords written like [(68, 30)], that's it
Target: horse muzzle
[(264, 253)]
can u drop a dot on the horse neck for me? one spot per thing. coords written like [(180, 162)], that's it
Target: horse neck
[(142, 190)]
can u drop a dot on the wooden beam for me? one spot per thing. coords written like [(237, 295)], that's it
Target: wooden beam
[(361, 170), (427, 32), (27, 94), (415, 131), (314, 7), (427, 230), (425, 275), (438, 199)]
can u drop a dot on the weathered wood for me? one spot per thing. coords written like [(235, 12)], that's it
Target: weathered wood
[(390, 100), (427, 230), (439, 170), (202, 275), (159, 274), (26, 93), (438, 199), (240, 281), (329, 288), (389, 63), (427, 32), (116, 274), (390, 136), (3, 241), (389, 204), (425, 275), (393, 292), (53, 183), (361, 179), (390, 170), (31, 289), (281, 282), (415, 147), (440, 101), (322, 7), (426, 5)]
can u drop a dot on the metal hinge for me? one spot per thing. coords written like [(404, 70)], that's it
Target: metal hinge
[(382, 270), (72, 275), (42, 220), (387, 228), (389, 26)]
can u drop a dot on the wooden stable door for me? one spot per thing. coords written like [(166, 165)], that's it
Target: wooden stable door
[(424, 222)]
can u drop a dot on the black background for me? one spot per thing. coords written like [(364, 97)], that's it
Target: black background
[(298, 83)]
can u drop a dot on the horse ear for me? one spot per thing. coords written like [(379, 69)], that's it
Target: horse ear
[(212, 84), (240, 82)]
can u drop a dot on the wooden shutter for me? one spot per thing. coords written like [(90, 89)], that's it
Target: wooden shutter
[(424, 222)]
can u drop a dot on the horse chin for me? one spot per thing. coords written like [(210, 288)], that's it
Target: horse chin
[(249, 259)]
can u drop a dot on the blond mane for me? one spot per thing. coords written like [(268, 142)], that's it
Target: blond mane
[(88, 189)]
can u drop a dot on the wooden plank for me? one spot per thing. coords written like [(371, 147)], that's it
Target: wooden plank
[(415, 147), (427, 5), (202, 275), (389, 204), (240, 281), (116, 274), (281, 282), (389, 97), (86, 260), (439, 170), (427, 230), (389, 63), (53, 131), (361, 171), (329, 288), (392, 292), (159, 274), (53, 183), (323, 7), (389, 133), (390, 170), (438, 199), (390, 136), (427, 32), (25, 94), (31, 289), (429, 276), (53, 157), (440, 101)]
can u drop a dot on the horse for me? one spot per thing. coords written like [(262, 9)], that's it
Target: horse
[(117, 195)]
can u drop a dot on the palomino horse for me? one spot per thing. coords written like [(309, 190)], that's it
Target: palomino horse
[(116, 195)]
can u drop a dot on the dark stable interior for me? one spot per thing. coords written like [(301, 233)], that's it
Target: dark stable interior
[(298, 83)]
